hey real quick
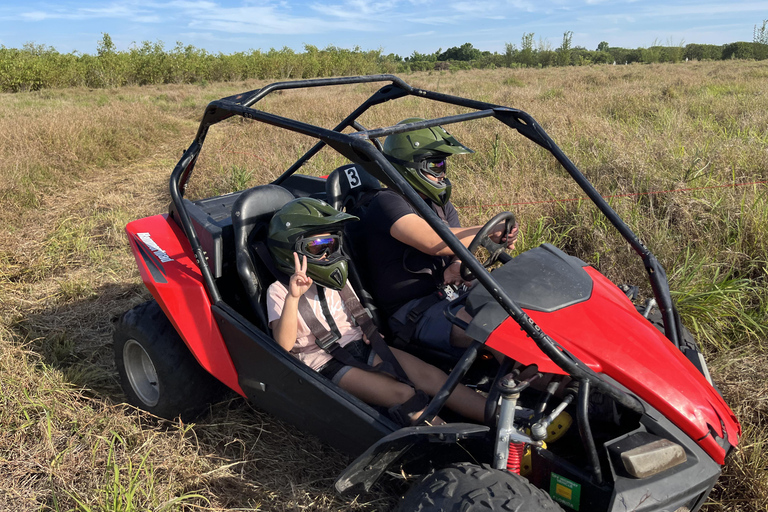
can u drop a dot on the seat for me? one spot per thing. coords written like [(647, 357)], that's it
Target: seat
[(347, 189), (348, 184), (251, 214)]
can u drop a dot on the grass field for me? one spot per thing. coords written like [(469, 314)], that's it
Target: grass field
[(76, 165)]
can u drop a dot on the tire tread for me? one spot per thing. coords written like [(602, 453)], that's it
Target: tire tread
[(186, 388), (471, 488)]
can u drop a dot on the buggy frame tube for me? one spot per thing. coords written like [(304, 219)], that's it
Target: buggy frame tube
[(181, 172), (454, 377), (656, 273), (220, 110)]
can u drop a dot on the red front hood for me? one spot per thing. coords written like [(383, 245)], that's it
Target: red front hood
[(608, 334)]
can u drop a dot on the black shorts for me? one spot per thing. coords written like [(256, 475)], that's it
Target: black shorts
[(335, 369)]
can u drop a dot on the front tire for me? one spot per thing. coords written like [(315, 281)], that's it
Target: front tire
[(157, 371), (471, 488)]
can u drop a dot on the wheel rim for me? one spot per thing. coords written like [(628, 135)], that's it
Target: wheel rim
[(141, 373)]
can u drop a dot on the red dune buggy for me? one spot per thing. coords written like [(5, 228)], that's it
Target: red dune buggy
[(598, 405)]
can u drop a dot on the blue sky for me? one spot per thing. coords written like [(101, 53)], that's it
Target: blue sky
[(394, 26)]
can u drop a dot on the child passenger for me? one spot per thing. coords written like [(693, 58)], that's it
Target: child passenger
[(305, 242)]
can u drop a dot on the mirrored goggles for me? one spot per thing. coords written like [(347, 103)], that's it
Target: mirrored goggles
[(435, 166), (318, 247)]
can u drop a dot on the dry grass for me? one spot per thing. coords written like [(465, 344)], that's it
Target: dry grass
[(77, 165)]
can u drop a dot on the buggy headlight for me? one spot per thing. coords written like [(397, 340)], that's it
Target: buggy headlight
[(653, 458)]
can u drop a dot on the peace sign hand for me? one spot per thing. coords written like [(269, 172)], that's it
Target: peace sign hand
[(300, 282)]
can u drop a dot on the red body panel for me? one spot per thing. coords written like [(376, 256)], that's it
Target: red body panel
[(169, 271), (640, 358)]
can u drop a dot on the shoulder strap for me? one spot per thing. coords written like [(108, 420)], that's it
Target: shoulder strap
[(324, 338), (363, 201), (364, 320), (328, 339), (327, 312)]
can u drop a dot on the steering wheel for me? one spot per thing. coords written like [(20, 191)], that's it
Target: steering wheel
[(482, 238)]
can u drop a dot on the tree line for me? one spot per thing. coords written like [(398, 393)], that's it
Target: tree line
[(35, 67)]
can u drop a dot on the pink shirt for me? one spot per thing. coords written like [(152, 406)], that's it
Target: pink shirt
[(305, 349)]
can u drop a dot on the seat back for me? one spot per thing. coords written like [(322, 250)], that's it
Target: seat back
[(251, 214), (348, 184), (347, 189)]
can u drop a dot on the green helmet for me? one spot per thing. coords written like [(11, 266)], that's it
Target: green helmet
[(423, 152), (294, 228)]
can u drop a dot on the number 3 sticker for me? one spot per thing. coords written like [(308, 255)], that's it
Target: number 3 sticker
[(352, 177)]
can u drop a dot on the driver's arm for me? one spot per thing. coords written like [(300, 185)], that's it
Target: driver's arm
[(414, 231)]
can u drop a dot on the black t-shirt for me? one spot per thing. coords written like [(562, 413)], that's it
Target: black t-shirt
[(395, 272)]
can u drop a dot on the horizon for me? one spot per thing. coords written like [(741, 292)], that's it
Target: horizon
[(401, 27)]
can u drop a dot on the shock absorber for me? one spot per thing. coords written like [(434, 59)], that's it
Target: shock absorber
[(510, 443)]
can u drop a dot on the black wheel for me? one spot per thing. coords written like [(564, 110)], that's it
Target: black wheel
[(688, 345), (688, 341), (471, 488), (157, 371)]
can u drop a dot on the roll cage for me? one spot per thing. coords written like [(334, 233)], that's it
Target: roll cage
[(363, 148)]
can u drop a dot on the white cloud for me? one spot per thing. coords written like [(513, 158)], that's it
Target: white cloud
[(201, 5), (35, 16), (111, 11), (421, 34)]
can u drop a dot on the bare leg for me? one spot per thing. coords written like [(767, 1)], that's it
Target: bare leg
[(430, 379), (375, 388), (379, 389)]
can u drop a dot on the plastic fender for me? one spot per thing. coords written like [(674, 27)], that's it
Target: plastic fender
[(169, 270), (608, 334), (387, 452)]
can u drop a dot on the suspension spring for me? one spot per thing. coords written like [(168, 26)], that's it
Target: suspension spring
[(515, 459)]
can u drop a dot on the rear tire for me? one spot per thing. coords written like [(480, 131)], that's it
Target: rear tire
[(471, 488), (157, 371)]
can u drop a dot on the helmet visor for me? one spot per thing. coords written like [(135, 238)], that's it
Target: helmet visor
[(319, 247), (434, 166)]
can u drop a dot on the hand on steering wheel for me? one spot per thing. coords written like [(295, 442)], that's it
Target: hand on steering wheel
[(494, 248)]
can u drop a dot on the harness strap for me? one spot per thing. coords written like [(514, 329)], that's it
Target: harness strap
[(328, 340), (404, 335), (327, 312), (364, 320)]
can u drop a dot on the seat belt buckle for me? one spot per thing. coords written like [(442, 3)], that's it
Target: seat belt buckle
[(328, 343), (448, 292)]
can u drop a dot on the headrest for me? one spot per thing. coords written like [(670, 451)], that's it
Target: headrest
[(347, 184), (257, 205)]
